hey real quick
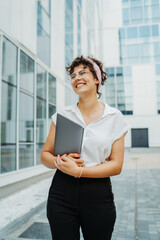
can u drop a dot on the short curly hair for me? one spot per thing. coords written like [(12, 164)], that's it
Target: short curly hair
[(82, 60)]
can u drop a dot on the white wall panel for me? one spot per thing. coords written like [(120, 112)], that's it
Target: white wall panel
[(112, 14), (144, 89), (111, 47)]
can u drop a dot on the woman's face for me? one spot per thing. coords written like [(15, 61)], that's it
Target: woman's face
[(83, 80)]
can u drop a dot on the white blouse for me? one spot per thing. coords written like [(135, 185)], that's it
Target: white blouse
[(99, 135)]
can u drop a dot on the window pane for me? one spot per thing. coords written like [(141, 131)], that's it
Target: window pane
[(26, 118), (8, 116), (41, 82), (26, 155), (122, 33), (8, 158), (52, 89), (43, 33), (154, 1), (146, 13), (155, 13), (41, 130), (132, 51), (157, 69), (144, 31), (26, 72), (132, 32), (126, 16), (9, 62), (157, 51), (145, 50), (155, 30), (136, 15), (110, 87), (127, 71), (8, 128), (110, 71), (51, 111), (136, 3), (38, 153)]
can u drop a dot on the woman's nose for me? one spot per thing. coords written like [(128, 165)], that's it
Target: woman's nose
[(77, 77)]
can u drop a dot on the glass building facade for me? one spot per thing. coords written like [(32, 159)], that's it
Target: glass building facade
[(44, 30), (73, 30), (28, 99), (28, 86), (139, 43)]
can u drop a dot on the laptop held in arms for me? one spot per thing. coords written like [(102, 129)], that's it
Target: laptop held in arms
[(68, 137)]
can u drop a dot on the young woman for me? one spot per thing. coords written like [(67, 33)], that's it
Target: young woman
[(81, 193)]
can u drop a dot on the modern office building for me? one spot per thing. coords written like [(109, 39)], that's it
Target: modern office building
[(38, 38), (131, 38)]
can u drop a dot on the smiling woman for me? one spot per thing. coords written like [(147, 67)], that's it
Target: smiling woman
[(87, 66), (81, 192)]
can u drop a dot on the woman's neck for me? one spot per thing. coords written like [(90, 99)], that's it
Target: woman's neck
[(88, 104)]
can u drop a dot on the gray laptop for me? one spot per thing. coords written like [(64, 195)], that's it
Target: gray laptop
[(69, 136)]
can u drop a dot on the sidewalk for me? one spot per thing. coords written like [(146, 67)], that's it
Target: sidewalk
[(137, 198)]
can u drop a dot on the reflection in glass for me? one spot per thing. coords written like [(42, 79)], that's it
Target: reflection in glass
[(145, 52), (26, 118), (157, 69), (155, 30), (136, 3), (156, 51), (119, 89), (110, 87), (8, 157), (132, 51), (26, 155), (8, 127), (155, 13), (79, 29), (41, 82), (68, 31), (52, 89), (38, 153), (26, 73), (126, 16), (146, 13), (122, 33), (9, 62), (41, 130), (136, 15), (132, 32), (144, 31), (43, 31), (8, 114)]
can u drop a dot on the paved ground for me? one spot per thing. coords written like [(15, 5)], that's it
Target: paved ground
[(137, 198)]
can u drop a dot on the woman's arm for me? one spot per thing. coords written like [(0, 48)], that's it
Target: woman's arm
[(111, 167), (106, 169), (47, 157)]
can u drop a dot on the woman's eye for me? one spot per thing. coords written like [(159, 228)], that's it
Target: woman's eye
[(82, 73)]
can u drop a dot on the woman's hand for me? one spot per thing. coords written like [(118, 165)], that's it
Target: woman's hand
[(78, 161), (66, 164)]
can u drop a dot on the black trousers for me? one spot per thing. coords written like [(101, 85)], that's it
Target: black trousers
[(85, 202)]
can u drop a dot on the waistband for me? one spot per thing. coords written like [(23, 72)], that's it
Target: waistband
[(83, 179)]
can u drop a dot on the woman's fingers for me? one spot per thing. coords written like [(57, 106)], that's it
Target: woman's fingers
[(74, 155)]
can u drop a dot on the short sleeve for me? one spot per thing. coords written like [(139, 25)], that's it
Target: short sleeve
[(121, 126), (54, 118)]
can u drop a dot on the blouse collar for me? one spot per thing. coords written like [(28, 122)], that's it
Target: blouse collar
[(107, 110)]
